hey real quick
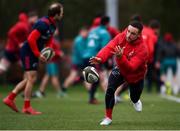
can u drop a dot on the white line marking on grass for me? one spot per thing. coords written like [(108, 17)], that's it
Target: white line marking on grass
[(172, 98)]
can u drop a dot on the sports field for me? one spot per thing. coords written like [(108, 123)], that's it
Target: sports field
[(74, 113)]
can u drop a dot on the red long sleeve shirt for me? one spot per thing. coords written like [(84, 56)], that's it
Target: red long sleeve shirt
[(150, 39), (57, 49), (133, 63), (18, 33), (32, 39)]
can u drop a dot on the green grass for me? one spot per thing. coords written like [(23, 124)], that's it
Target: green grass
[(74, 113)]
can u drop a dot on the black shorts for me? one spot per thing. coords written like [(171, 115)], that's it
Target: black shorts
[(11, 56), (116, 79), (29, 61)]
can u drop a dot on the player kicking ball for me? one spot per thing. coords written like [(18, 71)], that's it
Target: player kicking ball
[(131, 58), (40, 37)]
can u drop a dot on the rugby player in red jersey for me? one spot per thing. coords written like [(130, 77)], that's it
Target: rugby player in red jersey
[(131, 58)]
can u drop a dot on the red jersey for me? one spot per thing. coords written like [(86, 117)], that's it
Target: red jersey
[(150, 39), (57, 50), (18, 33), (133, 63)]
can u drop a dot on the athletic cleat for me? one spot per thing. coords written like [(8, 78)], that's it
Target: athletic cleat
[(31, 111), (10, 103), (39, 94), (138, 106), (106, 121)]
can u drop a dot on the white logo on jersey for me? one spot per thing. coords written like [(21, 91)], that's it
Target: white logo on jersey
[(91, 43), (130, 54)]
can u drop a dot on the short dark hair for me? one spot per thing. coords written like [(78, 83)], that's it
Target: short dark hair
[(54, 9), (105, 20), (154, 24), (137, 25)]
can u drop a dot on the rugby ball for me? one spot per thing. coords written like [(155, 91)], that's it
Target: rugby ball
[(90, 74), (48, 53)]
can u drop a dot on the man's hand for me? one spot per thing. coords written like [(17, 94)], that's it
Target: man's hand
[(118, 51), (95, 60), (42, 58)]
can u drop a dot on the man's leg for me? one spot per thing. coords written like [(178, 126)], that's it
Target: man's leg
[(31, 78), (70, 79), (92, 91), (115, 80), (56, 84), (121, 89), (135, 93), (103, 79), (9, 100), (41, 92)]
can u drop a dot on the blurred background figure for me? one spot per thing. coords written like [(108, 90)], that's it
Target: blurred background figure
[(97, 38), (78, 49), (52, 70), (107, 67), (156, 25), (168, 60), (17, 34), (150, 36), (96, 21)]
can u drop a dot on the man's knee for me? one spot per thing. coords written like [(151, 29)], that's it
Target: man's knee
[(32, 78), (110, 91)]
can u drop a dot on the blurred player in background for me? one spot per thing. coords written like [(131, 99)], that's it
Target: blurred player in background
[(40, 36), (17, 34), (97, 38), (107, 67), (112, 30), (78, 49), (167, 57)]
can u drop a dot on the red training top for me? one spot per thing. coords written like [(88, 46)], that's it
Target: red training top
[(133, 63), (18, 34), (150, 39)]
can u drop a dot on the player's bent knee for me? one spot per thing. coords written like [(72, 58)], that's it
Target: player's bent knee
[(32, 79), (110, 91)]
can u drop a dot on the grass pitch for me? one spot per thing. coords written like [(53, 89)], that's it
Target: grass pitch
[(74, 113)]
